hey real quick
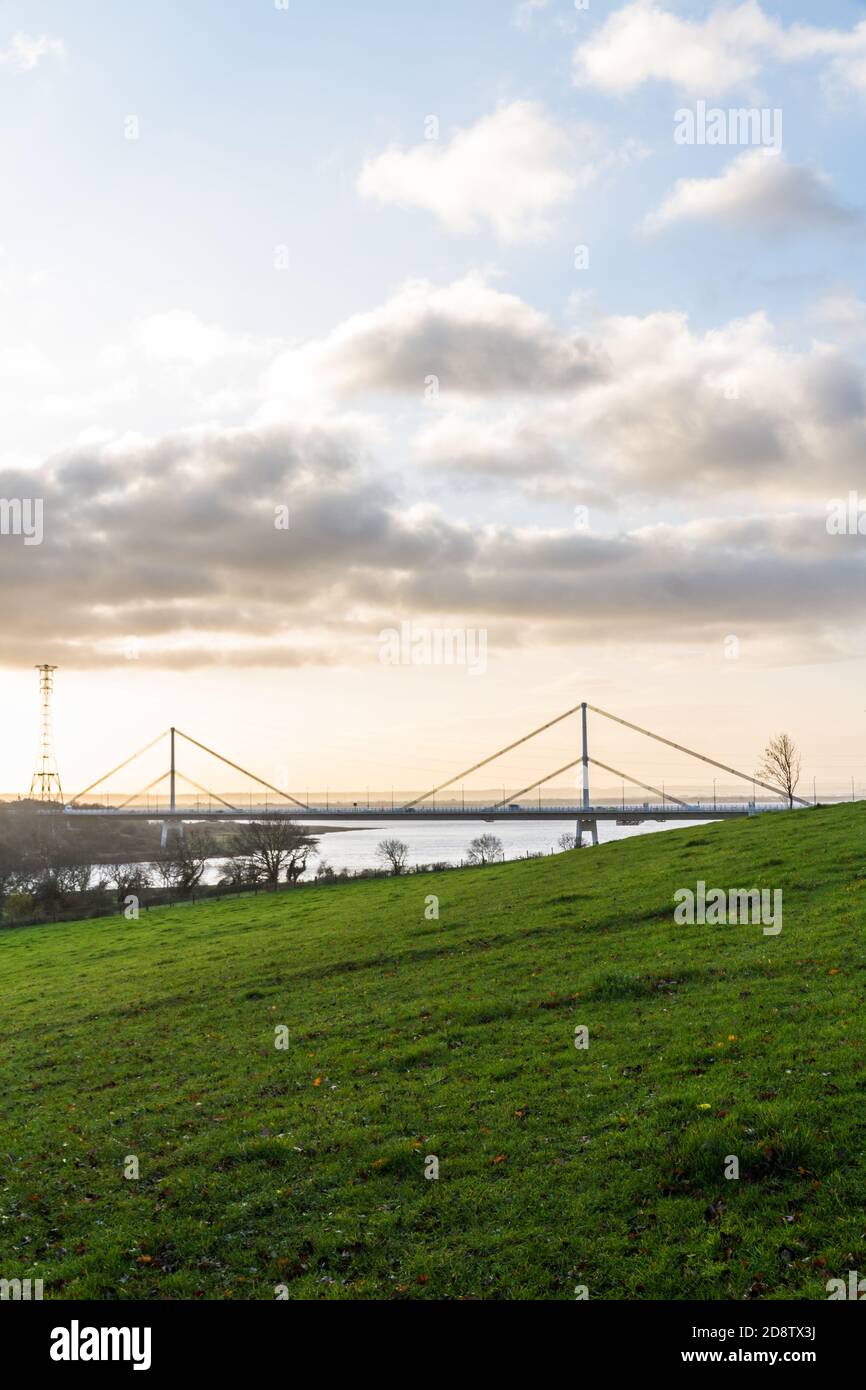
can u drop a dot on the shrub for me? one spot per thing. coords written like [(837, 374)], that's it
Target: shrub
[(18, 907)]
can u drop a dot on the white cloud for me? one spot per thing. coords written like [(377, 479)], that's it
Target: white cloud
[(757, 190), (166, 370), (728, 50), (644, 42), (510, 170), (26, 51), (180, 336)]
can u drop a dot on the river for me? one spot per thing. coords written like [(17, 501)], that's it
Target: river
[(430, 842)]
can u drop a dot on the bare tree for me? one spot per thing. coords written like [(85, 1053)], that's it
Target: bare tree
[(183, 866), (237, 874), (393, 852), (55, 873), (164, 870), (569, 840), (781, 765), (78, 877), (129, 879), (274, 849), (195, 849), (485, 849)]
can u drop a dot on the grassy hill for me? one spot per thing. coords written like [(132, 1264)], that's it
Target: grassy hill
[(410, 1037)]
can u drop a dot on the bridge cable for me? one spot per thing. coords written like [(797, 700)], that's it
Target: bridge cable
[(533, 785), (143, 792), (665, 796), (185, 777), (245, 771), (768, 786), (485, 761), (120, 766)]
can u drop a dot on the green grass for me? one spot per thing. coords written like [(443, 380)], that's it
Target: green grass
[(411, 1037)]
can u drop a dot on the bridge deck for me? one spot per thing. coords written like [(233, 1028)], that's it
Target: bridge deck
[(631, 814)]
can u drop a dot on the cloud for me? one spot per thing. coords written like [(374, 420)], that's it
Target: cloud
[(475, 340), (760, 191), (510, 171), (26, 51), (644, 42), (164, 370), (476, 384), (179, 336), (730, 412), (172, 541)]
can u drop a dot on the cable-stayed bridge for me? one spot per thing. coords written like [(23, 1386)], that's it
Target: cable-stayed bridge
[(513, 806)]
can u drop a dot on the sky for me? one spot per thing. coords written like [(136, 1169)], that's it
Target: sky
[(331, 333)]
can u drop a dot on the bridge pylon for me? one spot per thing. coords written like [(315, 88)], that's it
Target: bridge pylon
[(173, 772), (583, 822)]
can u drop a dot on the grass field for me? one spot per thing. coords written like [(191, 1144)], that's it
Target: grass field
[(410, 1037)]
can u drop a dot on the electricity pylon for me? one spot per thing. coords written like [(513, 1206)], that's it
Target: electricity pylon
[(45, 783)]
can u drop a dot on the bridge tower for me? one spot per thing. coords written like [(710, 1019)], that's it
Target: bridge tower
[(45, 782), (176, 825), (583, 821)]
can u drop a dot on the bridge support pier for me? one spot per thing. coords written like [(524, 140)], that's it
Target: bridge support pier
[(165, 831), (587, 823)]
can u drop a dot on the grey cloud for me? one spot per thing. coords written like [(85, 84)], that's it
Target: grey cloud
[(676, 414), (160, 559), (476, 340)]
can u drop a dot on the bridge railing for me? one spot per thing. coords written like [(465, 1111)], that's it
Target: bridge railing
[(568, 810)]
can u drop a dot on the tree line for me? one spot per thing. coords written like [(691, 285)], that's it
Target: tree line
[(43, 874)]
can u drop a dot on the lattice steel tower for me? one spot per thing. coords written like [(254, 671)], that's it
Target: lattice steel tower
[(45, 783)]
